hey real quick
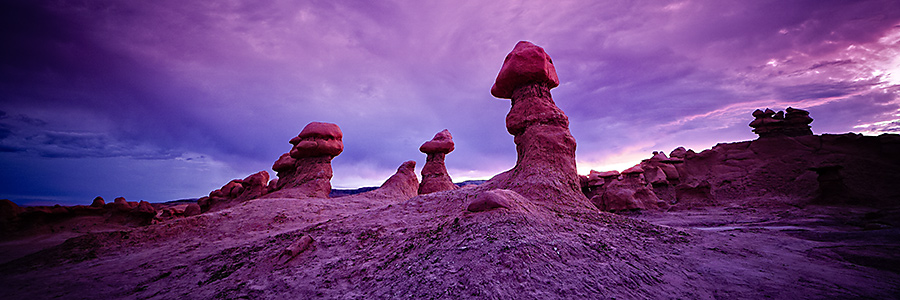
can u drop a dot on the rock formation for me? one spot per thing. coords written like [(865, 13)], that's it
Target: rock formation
[(98, 202), (490, 200), (434, 173), (545, 166), (235, 191), (789, 171), (768, 123), (631, 192), (305, 171), (400, 186)]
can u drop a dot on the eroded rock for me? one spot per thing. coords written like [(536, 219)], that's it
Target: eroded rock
[(237, 190), (545, 166), (305, 171), (794, 123), (434, 173), (491, 199)]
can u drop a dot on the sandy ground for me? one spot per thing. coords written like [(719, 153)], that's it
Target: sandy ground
[(429, 247)]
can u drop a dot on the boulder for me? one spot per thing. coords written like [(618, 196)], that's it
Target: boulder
[(489, 200), (192, 209)]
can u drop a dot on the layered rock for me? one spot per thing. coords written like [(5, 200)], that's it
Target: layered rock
[(788, 171), (305, 171), (434, 173), (545, 166), (768, 123), (235, 191)]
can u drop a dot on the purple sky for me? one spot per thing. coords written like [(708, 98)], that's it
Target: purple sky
[(161, 100)]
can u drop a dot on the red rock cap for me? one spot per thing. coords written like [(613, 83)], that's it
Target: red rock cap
[(441, 143), (318, 139), (527, 63)]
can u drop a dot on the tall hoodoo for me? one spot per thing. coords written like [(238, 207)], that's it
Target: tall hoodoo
[(545, 167), (434, 173), (305, 171)]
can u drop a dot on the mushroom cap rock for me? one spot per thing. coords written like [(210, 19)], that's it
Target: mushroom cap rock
[(318, 139), (321, 129), (633, 170), (441, 143), (526, 64)]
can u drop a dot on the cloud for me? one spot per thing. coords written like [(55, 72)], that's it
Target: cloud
[(234, 81)]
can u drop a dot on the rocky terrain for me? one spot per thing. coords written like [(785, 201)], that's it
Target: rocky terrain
[(790, 215)]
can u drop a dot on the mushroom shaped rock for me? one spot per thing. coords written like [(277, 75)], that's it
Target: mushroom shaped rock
[(434, 173), (318, 139), (305, 171), (526, 64), (545, 166)]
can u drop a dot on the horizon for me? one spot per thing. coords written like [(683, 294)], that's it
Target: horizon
[(163, 101)]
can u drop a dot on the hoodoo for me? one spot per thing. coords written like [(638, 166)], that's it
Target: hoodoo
[(434, 173), (305, 171), (545, 166)]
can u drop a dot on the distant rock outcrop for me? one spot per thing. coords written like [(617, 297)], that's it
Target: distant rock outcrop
[(768, 123), (782, 170), (545, 168), (305, 171), (19, 221), (434, 173)]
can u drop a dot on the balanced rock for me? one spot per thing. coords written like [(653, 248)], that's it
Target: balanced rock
[(305, 171), (545, 166), (434, 173)]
